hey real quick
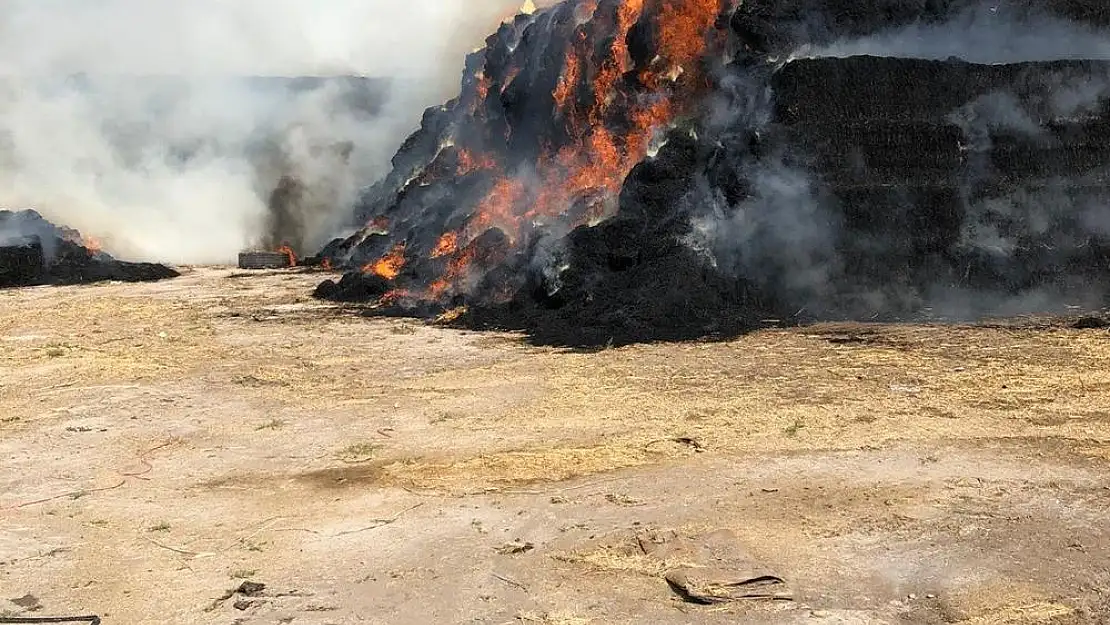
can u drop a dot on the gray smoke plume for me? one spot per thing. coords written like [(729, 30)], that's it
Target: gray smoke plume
[(992, 32), (172, 132)]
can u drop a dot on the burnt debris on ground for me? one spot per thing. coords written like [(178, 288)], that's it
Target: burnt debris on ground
[(791, 184), (34, 251)]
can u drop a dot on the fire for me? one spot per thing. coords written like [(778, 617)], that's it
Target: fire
[(497, 209), (457, 269), (439, 288), (288, 251), (326, 264), (568, 79), (607, 108), (683, 25), (447, 244), (618, 61), (92, 244), (390, 265), (483, 87), (469, 162)]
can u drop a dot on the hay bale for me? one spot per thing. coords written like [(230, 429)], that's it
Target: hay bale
[(263, 260)]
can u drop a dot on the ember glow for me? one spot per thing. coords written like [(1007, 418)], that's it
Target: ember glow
[(565, 160), (468, 162)]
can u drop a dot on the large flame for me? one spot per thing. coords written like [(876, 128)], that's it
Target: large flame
[(610, 107)]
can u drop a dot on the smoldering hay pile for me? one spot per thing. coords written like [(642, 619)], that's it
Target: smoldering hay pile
[(34, 251), (628, 170)]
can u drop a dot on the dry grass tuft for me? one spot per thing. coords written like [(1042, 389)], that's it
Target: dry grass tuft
[(1034, 614), (516, 468)]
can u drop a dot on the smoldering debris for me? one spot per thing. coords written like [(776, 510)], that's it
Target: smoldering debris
[(34, 251), (757, 173)]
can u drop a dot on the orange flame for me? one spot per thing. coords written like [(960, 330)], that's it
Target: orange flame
[(497, 209), (457, 269), (447, 244), (609, 133), (439, 288), (568, 80), (469, 162), (92, 244), (288, 251), (682, 28), (390, 265), (618, 61)]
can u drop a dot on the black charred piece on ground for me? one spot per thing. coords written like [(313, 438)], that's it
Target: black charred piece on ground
[(354, 286), (35, 252)]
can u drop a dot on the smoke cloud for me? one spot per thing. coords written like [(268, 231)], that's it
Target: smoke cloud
[(163, 128), (993, 32)]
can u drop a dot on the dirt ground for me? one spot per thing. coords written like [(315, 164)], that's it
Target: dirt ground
[(162, 443)]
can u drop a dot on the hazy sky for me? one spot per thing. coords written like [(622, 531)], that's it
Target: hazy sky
[(242, 36)]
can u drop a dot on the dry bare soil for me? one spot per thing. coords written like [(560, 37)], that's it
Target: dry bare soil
[(162, 443)]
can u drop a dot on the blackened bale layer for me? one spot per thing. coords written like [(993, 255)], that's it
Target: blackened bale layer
[(34, 251), (931, 161)]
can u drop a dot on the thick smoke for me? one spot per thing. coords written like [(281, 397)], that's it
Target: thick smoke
[(164, 128)]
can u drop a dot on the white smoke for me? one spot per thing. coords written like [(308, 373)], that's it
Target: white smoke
[(987, 33), (152, 148)]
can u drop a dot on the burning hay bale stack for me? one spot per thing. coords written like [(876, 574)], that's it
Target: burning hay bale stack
[(618, 170), (483, 199), (34, 251)]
